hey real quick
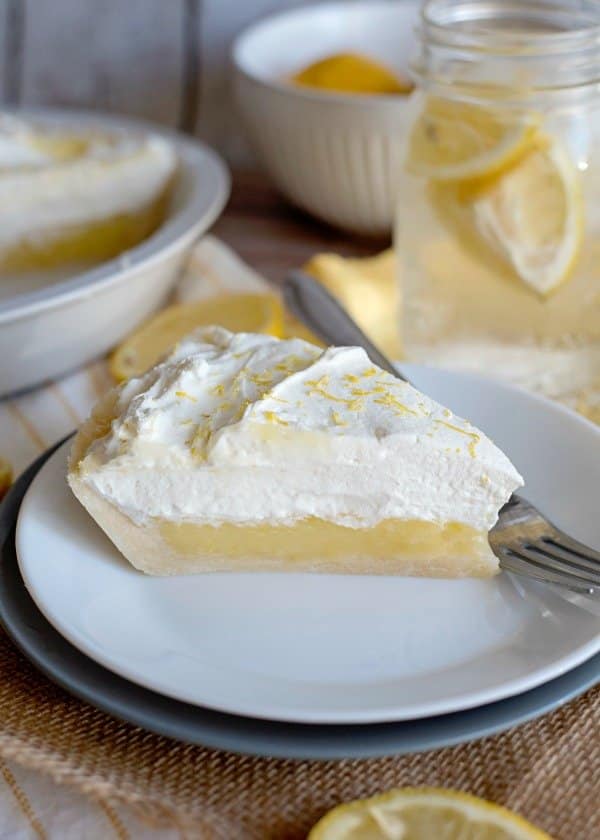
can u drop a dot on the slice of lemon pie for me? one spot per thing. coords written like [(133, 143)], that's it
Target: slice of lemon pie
[(242, 452)]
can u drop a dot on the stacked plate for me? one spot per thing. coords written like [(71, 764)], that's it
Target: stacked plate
[(312, 666)]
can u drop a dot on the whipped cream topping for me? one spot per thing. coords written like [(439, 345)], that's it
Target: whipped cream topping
[(247, 428), (51, 179)]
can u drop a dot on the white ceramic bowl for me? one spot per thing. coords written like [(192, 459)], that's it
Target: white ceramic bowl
[(335, 155), (51, 330)]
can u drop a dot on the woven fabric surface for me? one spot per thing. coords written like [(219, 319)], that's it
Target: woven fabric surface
[(548, 770)]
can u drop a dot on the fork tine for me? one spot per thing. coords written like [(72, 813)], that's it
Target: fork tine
[(536, 555), (566, 543), (551, 546), (512, 562), (528, 544)]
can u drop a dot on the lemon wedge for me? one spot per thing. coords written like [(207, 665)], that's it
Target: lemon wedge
[(423, 814), (457, 140), (532, 216), (351, 73), (261, 313)]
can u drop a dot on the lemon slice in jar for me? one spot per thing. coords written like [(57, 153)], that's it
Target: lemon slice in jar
[(423, 814), (456, 140), (532, 216)]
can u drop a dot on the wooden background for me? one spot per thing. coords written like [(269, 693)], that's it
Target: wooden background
[(163, 60)]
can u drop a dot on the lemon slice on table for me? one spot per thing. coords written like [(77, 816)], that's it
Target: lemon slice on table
[(457, 140), (424, 814), (238, 313), (532, 216)]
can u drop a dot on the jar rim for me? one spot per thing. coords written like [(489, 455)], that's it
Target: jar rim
[(561, 25), (554, 44)]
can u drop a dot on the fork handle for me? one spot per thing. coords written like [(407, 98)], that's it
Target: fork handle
[(326, 317)]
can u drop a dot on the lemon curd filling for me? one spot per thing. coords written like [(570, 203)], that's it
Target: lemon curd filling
[(411, 547), (84, 244)]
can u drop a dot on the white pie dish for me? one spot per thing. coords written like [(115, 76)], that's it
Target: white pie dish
[(49, 330), (335, 649)]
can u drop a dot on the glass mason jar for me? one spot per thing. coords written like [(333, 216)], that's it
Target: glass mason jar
[(498, 219)]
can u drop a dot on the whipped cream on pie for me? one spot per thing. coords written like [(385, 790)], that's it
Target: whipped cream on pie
[(57, 182), (250, 431)]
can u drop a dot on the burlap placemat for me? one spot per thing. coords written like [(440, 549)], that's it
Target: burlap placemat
[(548, 770)]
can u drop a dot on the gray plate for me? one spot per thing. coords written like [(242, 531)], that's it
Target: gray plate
[(72, 670)]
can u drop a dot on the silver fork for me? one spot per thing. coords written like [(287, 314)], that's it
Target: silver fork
[(522, 539)]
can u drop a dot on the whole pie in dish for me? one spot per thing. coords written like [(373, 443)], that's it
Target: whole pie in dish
[(241, 452), (77, 197)]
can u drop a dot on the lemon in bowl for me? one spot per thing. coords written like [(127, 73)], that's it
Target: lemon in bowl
[(331, 149)]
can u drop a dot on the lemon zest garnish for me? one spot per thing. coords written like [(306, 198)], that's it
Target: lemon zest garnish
[(321, 392), (198, 441), (218, 390), (475, 438), (322, 382), (241, 409), (351, 378), (391, 401), (292, 364), (355, 405), (264, 378), (372, 371), (272, 417), (337, 418), (333, 397), (454, 428), (271, 396), (317, 386), (360, 392), (185, 395)]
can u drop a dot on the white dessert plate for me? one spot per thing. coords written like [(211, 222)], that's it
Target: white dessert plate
[(332, 649)]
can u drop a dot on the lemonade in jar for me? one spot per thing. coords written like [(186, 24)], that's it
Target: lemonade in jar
[(498, 221)]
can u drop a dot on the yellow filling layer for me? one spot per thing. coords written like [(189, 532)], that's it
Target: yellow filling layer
[(88, 243), (450, 548)]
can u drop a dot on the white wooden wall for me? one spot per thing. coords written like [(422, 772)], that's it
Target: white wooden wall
[(164, 60)]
